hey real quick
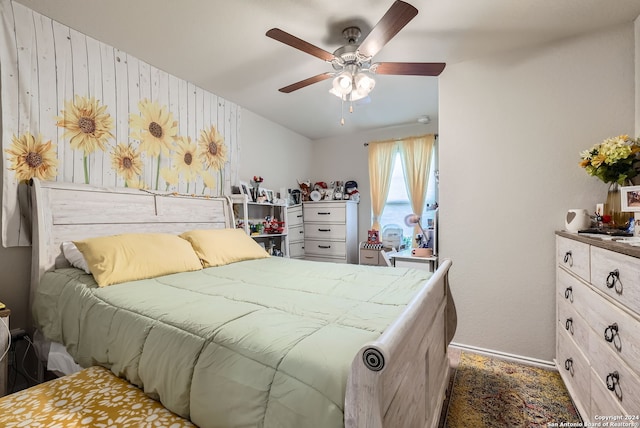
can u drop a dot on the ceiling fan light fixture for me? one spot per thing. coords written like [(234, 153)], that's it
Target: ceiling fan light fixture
[(364, 82), (358, 94), (353, 78), (342, 83)]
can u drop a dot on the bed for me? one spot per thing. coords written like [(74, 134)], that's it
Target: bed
[(329, 346)]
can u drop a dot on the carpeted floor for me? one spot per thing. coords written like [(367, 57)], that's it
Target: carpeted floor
[(489, 392)]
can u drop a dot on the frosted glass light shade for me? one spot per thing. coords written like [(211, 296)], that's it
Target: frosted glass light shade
[(342, 83)]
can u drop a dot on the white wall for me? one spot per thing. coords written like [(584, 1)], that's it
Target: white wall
[(511, 129), (637, 63), (345, 158), (272, 151)]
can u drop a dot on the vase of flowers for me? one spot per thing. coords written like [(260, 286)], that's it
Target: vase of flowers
[(614, 161), (255, 186)]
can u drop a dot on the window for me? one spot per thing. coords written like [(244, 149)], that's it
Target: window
[(397, 206)]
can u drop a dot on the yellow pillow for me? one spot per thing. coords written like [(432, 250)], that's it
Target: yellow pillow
[(217, 247), (128, 257)]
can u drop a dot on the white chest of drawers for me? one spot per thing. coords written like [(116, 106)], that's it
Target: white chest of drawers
[(331, 231), (598, 330)]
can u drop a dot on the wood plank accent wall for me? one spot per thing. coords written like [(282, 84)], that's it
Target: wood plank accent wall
[(46, 64)]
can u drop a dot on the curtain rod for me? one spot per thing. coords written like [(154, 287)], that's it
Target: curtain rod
[(434, 136)]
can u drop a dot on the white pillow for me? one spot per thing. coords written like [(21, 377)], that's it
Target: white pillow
[(74, 256)]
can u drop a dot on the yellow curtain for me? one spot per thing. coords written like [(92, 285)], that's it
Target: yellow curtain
[(381, 155), (415, 153)]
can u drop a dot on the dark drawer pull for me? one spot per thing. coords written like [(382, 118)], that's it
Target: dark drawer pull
[(568, 325), (568, 364), (612, 278), (368, 257), (299, 216), (324, 230), (613, 379), (324, 213), (611, 332), (324, 246), (301, 231), (568, 293), (568, 258)]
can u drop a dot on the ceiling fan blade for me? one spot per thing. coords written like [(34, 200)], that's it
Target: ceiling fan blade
[(306, 82), (409, 68), (294, 42), (398, 15)]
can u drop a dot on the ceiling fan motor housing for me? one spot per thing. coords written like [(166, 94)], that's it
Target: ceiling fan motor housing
[(352, 35)]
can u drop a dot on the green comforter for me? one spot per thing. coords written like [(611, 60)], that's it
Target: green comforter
[(261, 343)]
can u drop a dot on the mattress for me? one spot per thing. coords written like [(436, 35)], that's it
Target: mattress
[(264, 342)]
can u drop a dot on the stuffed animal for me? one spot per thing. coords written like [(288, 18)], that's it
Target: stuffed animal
[(351, 191), (305, 189)]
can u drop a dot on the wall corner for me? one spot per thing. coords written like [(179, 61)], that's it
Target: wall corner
[(636, 26)]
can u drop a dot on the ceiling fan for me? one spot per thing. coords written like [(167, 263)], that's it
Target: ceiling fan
[(354, 69)]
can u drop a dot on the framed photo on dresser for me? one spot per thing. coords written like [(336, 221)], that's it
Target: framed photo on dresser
[(630, 198), (244, 189)]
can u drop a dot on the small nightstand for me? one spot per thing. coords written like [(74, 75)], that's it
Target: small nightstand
[(374, 254), (406, 259), (4, 342)]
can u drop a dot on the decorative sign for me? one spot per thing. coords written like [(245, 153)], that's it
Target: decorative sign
[(77, 110)]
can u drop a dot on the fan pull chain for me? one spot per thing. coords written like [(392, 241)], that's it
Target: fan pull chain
[(342, 111)]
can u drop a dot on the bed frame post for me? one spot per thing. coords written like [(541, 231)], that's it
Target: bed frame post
[(400, 380), (38, 235)]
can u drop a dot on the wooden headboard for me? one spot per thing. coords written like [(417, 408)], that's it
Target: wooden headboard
[(66, 212)]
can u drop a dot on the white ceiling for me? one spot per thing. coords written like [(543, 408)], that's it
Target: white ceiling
[(220, 46)]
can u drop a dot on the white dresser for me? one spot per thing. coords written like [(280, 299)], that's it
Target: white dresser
[(331, 231), (598, 330), (296, 231)]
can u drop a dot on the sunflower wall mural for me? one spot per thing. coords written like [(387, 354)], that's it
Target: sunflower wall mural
[(77, 110)]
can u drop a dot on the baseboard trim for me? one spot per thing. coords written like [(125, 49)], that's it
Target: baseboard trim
[(550, 365)]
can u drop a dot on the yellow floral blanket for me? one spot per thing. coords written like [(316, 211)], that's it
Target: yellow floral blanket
[(91, 397)]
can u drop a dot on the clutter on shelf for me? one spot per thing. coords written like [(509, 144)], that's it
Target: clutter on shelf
[(321, 191), (270, 225)]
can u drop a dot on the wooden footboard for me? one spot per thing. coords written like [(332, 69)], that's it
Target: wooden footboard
[(400, 380)]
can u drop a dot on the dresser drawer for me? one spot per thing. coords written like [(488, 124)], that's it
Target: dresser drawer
[(325, 248), (570, 289), (603, 403), (614, 329), (570, 320), (296, 249), (325, 259), (296, 233), (573, 256), (324, 213), (325, 231), (574, 370), (369, 257), (609, 368), (617, 275), (294, 216)]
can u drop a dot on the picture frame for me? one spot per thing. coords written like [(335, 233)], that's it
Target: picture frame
[(270, 195), (244, 189), (630, 198), (373, 236)]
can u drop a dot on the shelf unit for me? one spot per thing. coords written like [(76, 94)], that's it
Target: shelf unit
[(249, 213)]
